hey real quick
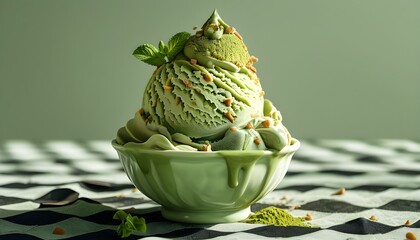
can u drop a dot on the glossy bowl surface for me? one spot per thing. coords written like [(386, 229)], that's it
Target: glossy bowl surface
[(205, 187)]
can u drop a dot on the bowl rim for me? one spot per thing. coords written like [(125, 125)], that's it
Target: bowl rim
[(293, 147)]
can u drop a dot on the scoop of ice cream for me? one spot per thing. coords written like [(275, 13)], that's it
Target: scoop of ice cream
[(207, 98), (204, 95), (218, 44), (200, 103)]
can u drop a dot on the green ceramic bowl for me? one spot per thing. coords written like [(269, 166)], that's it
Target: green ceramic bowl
[(205, 187)]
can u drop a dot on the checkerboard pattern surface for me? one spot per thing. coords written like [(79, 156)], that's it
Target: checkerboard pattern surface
[(78, 186)]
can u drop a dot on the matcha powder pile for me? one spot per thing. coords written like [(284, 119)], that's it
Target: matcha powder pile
[(276, 216)]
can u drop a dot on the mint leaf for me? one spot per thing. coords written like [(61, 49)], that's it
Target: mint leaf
[(123, 231), (120, 215), (149, 54), (153, 56), (176, 44), (129, 224), (163, 48), (140, 225)]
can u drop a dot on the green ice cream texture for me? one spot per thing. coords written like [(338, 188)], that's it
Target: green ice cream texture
[(207, 98)]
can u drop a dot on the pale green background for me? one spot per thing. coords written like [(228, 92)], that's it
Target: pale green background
[(335, 69)]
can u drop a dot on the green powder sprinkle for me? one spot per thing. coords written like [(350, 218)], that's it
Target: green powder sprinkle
[(278, 217)]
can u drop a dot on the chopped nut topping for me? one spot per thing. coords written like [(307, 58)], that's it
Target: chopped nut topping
[(407, 223), (229, 116), (199, 33), (198, 90), (195, 27), (373, 218), (266, 123), (249, 126), (228, 102), (233, 129), (214, 26), (207, 77), (58, 231), (254, 59), (252, 68), (308, 217), (237, 34), (410, 236), (295, 207), (207, 147), (257, 141), (187, 83), (141, 112), (167, 88), (340, 191), (193, 61), (229, 30), (119, 195)]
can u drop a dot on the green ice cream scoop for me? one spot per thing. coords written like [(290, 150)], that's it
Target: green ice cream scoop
[(205, 96), (200, 103), (218, 44)]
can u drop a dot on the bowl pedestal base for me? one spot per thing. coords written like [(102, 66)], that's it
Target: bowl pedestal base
[(206, 216)]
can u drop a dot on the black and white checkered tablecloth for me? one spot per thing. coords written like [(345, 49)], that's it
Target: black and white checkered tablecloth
[(78, 186)]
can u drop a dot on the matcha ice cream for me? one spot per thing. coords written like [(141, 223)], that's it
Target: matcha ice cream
[(204, 95)]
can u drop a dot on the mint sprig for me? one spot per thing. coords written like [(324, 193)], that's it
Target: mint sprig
[(149, 54), (129, 224), (176, 44), (164, 53)]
